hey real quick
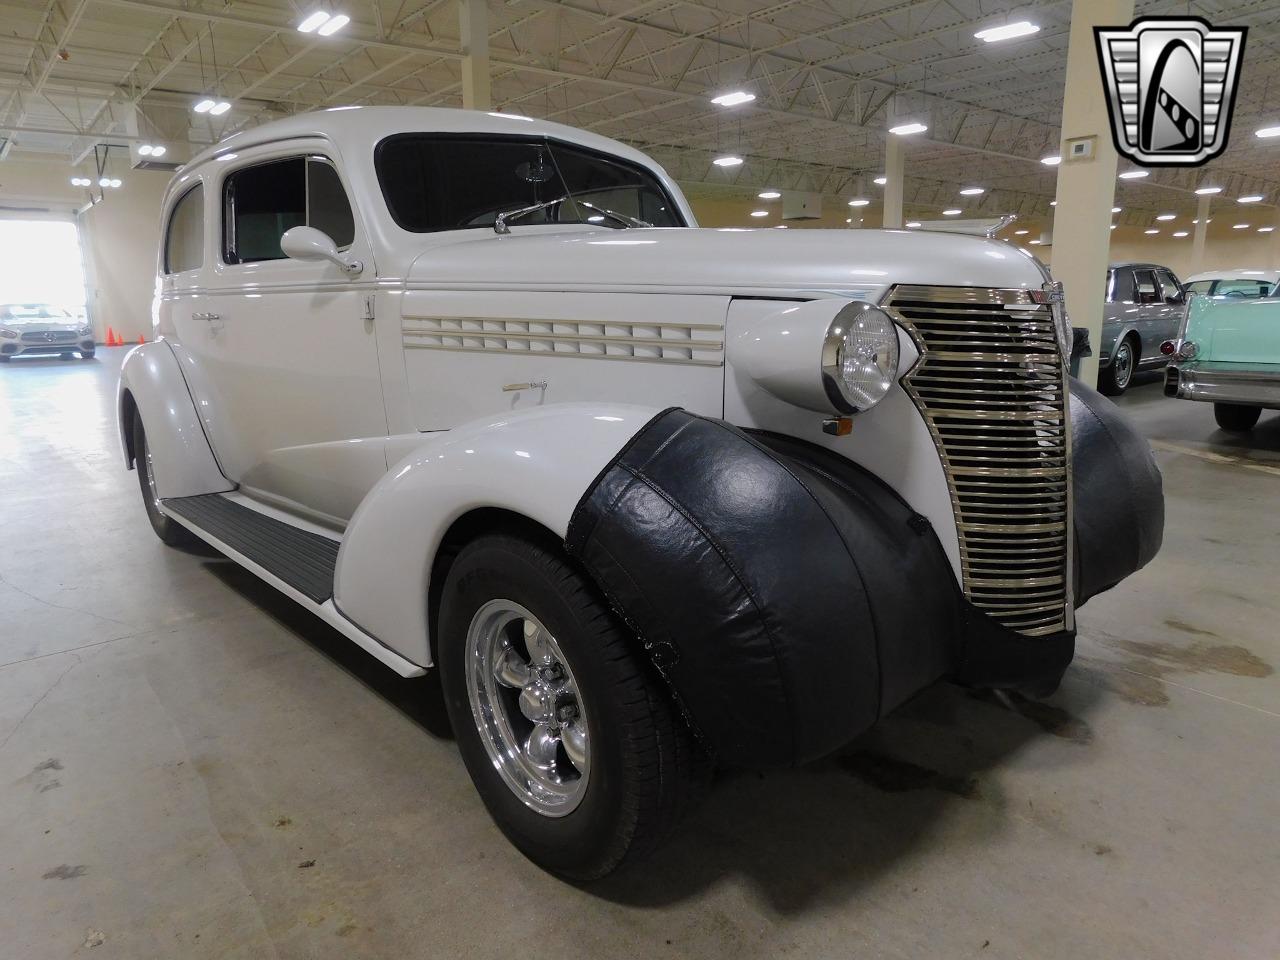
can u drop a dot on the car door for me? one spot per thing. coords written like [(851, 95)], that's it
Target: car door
[(287, 348), (1151, 311), (1166, 326)]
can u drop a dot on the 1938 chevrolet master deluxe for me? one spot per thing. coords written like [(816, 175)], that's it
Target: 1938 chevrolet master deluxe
[(475, 390)]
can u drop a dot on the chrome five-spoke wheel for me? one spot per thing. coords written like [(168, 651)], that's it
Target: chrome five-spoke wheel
[(526, 705)]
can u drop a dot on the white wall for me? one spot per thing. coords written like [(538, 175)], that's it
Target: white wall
[(118, 236)]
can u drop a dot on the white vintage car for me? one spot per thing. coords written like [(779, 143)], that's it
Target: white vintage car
[(475, 390)]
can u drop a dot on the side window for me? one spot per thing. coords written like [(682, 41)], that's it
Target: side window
[(263, 201), (1146, 282), (1122, 291), (1200, 286), (184, 241), (1170, 287)]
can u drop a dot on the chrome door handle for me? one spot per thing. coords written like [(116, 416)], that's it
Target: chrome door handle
[(206, 316)]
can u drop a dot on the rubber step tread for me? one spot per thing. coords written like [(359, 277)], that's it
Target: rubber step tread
[(305, 561)]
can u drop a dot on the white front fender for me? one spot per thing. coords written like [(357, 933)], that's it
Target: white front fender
[(537, 463), (183, 461)]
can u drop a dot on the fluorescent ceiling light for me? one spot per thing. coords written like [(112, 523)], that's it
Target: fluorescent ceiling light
[(953, 212), (1206, 223), (1007, 31), (913, 223), (104, 181), (116, 182), (1265, 229), (1053, 203), (333, 25), (145, 150), (733, 99), (158, 151), (1180, 233), (780, 226), (906, 129), (972, 192), (1252, 198), (1051, 161), (848, 219), (1021, 233), (880, 181), (204, 106), (313, 21), (81, 182), (769, 195), (1266, 133), (1134, 174), (759, 213), (859, 203), (727, 161), (1034, 241), (1208, 191), (219, 108), (1115, 209), (1167, 216), (1113, 226), (1150, 232), (1240, 226)]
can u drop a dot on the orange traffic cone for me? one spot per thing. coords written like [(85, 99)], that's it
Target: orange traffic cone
[(141, 338), (111, 337)]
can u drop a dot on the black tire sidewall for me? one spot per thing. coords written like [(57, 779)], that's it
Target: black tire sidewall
[(584, 842), (1236, 417), (171, 532)]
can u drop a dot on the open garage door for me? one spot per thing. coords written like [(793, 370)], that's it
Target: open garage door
[(42, 290)]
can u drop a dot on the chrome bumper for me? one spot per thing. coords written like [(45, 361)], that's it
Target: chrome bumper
[(1224, 383)]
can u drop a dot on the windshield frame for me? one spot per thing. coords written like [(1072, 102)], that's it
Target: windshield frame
[(551, 142)]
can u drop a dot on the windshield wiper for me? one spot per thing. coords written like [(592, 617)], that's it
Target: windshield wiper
[(621, 219)]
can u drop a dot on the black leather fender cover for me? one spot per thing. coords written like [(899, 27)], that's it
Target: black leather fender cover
[(1118, 494), (787, 604)]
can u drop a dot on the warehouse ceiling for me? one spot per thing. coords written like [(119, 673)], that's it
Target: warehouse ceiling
[(828, 77)]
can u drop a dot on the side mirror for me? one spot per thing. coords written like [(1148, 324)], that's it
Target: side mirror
[(310, 245)]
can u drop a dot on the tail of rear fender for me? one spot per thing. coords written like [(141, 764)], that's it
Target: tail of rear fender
[(535, 463), (151, 383)]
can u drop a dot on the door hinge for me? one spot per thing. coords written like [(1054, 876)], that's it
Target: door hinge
[(368, 306)]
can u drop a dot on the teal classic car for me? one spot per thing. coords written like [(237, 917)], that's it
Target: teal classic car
[(1228, 353)]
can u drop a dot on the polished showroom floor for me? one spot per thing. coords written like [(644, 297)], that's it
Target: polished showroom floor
[(192, 767)]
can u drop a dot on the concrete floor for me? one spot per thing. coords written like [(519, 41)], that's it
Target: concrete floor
[(190, 766)]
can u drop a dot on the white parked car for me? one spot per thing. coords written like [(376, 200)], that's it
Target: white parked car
[(1237, 284), (43, 329), (475, 390)]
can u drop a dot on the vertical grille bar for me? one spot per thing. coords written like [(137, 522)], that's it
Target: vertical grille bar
[(991, 386)]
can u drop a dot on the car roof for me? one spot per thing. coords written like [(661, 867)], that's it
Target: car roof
[(359, 126), (1268, 275), (1138, 263)]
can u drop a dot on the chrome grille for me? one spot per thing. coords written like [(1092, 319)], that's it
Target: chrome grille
[(991, 387), (51, 336)]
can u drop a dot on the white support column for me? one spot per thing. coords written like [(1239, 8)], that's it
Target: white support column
[(893, 181), (1086, 188), (1198, 235), (473, 29)]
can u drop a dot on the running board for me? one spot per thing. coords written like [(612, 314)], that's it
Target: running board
[(296, 562)]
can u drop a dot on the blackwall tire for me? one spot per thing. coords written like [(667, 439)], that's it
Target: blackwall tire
[(1236, 417), (603, 710), (87, 354), (1114, 379), (167, 529)]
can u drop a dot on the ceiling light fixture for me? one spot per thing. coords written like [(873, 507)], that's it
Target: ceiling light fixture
[(1007, 31), (1240, 226), (1021, 233), (1252, 198), (1113, 226), (733, 99), (880, 181), (906, 129), (81, 182), (972, 192), (1035, 242), (1135, 174), (769, 195), (953, 212), (1150, 232), (913, 223), (1051, 161), (333, 25), (1265, 229), (313, 22), (1208, 191), (1167, 216), (1180, 233), (859, 203), (1267, 133), (145, 150), (219, 108), (1115, 209), (759, 213), (204, 106), (727, 161)]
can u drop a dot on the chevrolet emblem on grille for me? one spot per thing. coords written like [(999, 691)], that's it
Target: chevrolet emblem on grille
[(1170, 84)]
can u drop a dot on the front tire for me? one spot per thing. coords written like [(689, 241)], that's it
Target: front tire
[(87, 354), (1236, 417), (570, 737), (167, 529), (1114, 379)]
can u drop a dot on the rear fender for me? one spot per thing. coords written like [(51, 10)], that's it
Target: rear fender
[(151, 383), (535, 463)]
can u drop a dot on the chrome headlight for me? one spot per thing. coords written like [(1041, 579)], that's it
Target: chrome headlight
[(8, 334), (859, 357)]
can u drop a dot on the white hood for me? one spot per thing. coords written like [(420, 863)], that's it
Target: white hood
[(764, 262)]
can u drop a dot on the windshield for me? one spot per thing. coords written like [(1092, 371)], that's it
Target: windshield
[(32, 311), (437, 182)]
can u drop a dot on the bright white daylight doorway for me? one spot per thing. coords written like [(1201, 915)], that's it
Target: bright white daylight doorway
[(42, 264)]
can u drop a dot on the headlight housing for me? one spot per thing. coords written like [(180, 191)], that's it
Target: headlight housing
[(85, 329), (859, 357), (8, 334)]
